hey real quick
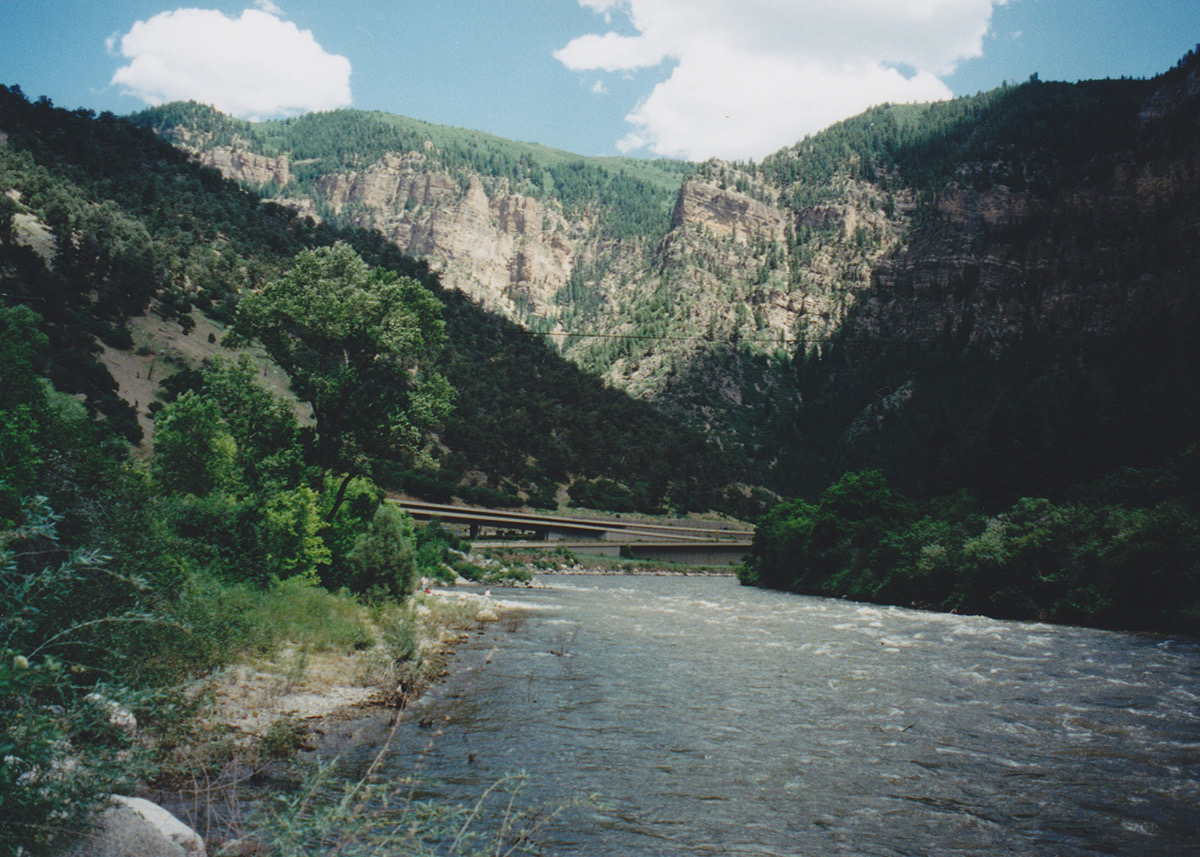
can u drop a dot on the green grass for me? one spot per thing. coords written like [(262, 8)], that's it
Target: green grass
[(312, 618)]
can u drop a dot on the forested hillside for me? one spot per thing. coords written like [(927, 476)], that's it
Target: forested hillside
[(103, 222), (1038, 326), (1007, 420), (954, 292)]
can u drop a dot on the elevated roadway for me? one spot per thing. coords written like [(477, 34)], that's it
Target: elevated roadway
[(718, 543)]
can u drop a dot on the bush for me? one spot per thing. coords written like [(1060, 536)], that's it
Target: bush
[(311, 618), (291, 534), (55, 639), (610, 496), (432, 487), (435, 548), (194, 453), (1104, 565), (481, 495), (383, 559)]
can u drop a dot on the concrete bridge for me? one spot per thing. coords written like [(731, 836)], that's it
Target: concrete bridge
[(721, 543)]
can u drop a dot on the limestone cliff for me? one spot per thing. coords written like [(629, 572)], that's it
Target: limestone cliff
[(732, 260)]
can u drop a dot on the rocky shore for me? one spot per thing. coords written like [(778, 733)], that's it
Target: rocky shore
[(261, 712), (258, 714)]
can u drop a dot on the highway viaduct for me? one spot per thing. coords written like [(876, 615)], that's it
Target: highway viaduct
[(720, 543)]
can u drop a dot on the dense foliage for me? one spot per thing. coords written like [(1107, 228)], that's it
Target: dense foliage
[(924, 146), (1120, 553), (354, 341), (121, 578)]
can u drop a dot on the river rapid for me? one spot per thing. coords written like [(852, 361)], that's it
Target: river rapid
[(710, 718)]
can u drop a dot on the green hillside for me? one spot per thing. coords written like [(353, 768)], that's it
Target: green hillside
[(139, 226), (631, 197)]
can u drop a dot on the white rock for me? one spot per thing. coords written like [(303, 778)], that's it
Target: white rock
[(133, 827)]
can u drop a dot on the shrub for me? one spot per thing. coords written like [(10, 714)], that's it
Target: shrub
[(435, 546), (291, 534), (383, 558), (53, 642), (194, 452), (311, 618)]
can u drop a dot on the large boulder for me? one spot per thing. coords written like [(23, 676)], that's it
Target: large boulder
[(133, 827)]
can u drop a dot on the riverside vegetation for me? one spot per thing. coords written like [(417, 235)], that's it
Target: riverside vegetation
[(958, 438), (125, 581), (128, 576)]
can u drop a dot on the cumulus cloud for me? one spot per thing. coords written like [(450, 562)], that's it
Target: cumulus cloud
[(751, 77), (256, 66)]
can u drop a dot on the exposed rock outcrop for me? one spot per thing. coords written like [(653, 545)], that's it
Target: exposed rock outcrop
[(509, 251), (133, 827), (248, 167)]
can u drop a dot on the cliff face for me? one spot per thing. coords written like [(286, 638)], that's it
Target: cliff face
[(742, 265), (1034, 333), (1086, 253), (247, 167), (1047, 213), (734, 261), (508, 251)]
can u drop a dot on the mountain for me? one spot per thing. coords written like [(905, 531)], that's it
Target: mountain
[(1037, 326), (603, 253), (793, 308), (103, 225)]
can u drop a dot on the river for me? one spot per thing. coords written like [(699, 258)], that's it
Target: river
[(710, 718)]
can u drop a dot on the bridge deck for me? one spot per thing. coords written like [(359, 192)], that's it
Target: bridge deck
[(557, 526), (688, 552)]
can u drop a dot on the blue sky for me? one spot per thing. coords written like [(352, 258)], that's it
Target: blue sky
[(685, 78)]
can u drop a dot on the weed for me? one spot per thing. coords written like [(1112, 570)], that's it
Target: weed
[(283, 738), (327, 816)]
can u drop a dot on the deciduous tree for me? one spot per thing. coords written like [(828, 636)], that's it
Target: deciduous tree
[(355, 342)]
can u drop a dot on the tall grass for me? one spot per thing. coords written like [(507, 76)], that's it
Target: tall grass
[(311, 618)]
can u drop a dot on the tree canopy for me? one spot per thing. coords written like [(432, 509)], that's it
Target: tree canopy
[(355, 341)]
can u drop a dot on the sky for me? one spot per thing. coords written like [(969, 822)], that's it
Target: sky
[(694, 79)]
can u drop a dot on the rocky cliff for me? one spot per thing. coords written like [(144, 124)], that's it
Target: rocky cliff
[(509, 251), (247, 167), (732, 261), (855, 268)]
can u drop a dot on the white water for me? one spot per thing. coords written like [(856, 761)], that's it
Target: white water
[(715, 719)]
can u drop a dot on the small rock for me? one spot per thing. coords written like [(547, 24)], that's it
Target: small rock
[(242, 848)]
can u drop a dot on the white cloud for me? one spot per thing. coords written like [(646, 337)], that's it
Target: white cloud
[(256, 66), (754, 76)]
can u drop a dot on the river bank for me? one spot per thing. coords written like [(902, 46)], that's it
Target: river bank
[(256, 729), (263, 725)]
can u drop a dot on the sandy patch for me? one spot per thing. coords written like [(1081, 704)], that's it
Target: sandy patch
[(161, 348), (295, 684)]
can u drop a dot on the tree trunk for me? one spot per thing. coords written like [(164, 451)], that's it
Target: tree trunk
[(339, 499)]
